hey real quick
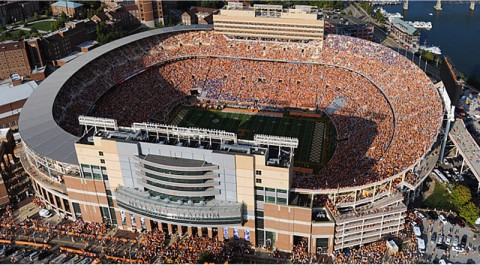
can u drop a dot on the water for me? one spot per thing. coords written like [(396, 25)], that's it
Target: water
[(456, 30)]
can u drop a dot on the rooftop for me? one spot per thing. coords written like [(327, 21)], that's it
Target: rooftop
[(10, 94), (67, 4), (404, 26)]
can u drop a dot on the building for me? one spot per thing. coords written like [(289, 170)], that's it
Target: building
[(348, 26), (61, 43), (14, 11), (151, 12), (14, 59), (71, 9), (302, 23), (406, 33), (210, 182), (198, 15), (12, 99), (118, 17), (7, 147)]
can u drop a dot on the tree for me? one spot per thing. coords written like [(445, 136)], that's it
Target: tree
[(380, 16), (460, 196), (48, 12), (36, 16), (469, 212)]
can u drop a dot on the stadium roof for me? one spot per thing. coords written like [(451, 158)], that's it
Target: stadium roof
[(10, 94), (67, 4), (37, 126)]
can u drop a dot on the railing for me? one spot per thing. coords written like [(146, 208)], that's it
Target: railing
[(39, 176), (373, 213)]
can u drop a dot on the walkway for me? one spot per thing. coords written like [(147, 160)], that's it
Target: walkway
[(467, 146)]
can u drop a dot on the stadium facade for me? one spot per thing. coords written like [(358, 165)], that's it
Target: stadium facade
[(199, 181)]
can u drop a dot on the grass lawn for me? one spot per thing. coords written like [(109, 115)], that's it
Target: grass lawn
[(440, 199), (43, 25), (247, 125)]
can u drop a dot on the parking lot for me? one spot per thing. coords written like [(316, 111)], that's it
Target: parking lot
[(435, 252)]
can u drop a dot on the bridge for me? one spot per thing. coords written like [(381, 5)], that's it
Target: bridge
[(438, 5), (467, 147)]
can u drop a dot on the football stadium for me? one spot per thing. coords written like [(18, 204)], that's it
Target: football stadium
[(275, 141)]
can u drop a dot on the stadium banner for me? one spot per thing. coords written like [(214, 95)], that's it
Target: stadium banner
[(236, 236), (247, 234), (225, 232)]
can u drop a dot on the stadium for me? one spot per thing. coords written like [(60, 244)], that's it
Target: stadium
[(189, 130)]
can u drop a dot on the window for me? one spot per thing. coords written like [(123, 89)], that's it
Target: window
[(258, 180), (259, 197), (258, 172), (270, 189), (102, 161), (259, 223), (87, 175), (281, 191), (258, 214), (282, 201), (97, 176), (259, 188), (100, 153), (270, 199)]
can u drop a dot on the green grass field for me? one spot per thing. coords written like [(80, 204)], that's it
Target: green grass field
[(43, 25), (247, 125)]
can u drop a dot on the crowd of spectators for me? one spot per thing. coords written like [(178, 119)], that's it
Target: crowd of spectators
[(391, 117)]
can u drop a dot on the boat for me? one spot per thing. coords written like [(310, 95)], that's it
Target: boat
[(432, 49), (430, 14), (421, 24)]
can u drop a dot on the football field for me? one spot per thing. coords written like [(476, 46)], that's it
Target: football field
[(316, 135)]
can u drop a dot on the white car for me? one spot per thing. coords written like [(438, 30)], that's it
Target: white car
[(442, 219), (45, 213)]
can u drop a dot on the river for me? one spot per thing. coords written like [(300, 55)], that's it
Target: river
[(456, 30)]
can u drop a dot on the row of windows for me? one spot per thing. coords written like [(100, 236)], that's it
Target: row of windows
[(177, 188), (271, 199), (176, 172), (175, 180), (184, 199), (94, 172)]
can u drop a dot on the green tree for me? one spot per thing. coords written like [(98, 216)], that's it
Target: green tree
[(460, 196), (469, 212), (380, 16), (36, 16), (48, 12), (429, 56)]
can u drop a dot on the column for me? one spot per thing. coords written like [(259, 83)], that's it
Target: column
[(200, 232), (189, 231), (210, 231), (179, 230), (170, 229)]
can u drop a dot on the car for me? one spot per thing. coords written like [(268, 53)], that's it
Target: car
[(433, 215), (451, 219), (463, 242), (461, 222), (45, 213), (448, 240), (440, 239), (419, 214), (434, 238), (86, 261), (456, 239), (442, 218), (442, 247)]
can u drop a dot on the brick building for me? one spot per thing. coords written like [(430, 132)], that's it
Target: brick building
[(11, 12), (348, 26), (198, 15), (71, 9), (11, 102), (61, 43), (13, 59), (118, 17)]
